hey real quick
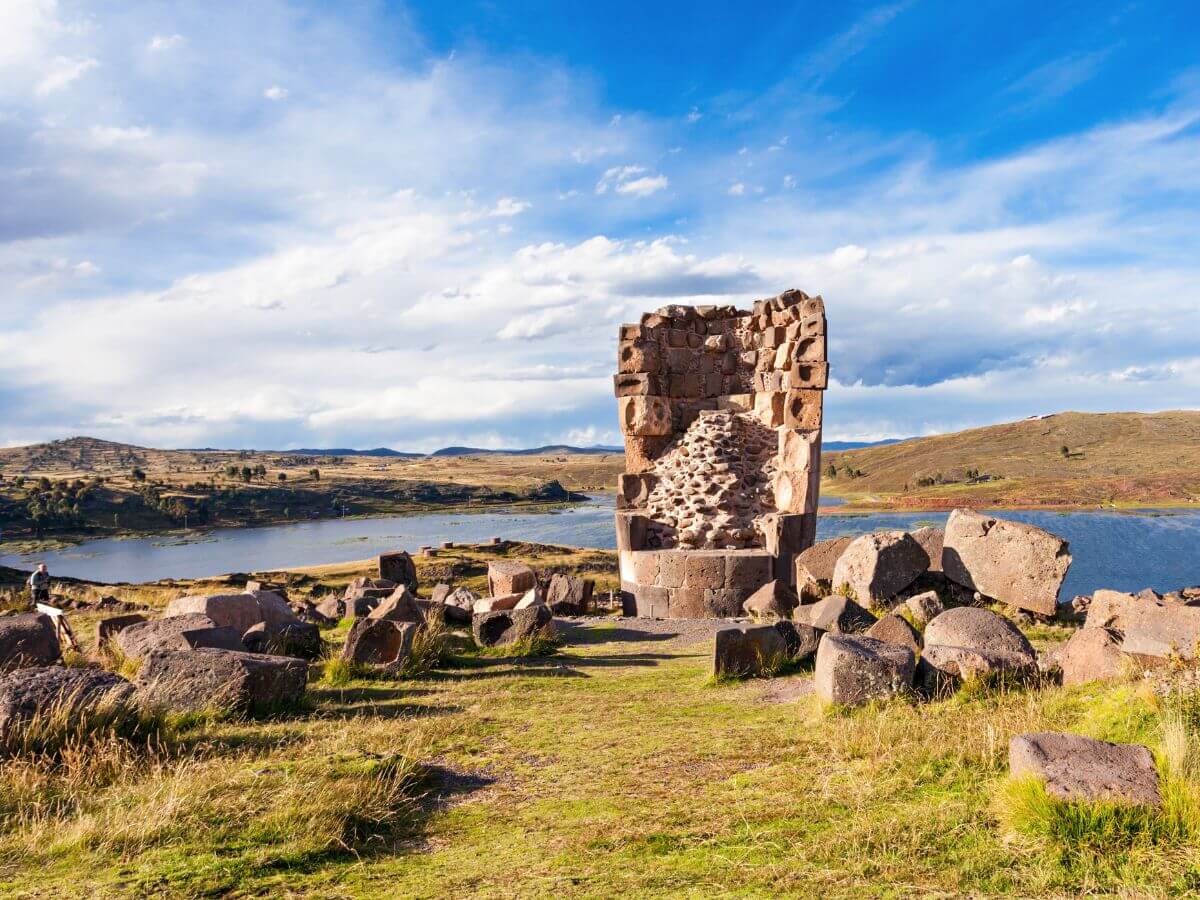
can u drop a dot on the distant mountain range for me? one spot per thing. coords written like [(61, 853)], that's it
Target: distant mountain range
[(859, 445)]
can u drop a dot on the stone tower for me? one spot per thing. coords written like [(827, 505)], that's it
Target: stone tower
[(721, 412)]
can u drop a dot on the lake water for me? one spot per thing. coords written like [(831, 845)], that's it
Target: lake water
[(1119, 550)]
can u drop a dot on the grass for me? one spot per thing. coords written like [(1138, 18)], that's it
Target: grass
[(612, 767)]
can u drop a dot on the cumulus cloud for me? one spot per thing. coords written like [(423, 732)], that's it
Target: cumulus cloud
[(423, 274)]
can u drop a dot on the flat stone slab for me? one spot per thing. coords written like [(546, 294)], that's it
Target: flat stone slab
[(220, 679), (1148, 627), (1074, 767), (836, 615), (27, 692)]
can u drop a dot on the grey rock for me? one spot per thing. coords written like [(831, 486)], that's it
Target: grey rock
[(1092, 654), (744, 650), (894, 630), (977, 629), (299, 639), (878, 566), (500, 627), (399, 606), (1018, 564), (774, 600), (854, 669), (237, 611), (80, 692), (380, 642), (925, 607), (27, 640), (1074, 767), (1150, 629), (398, 567), (106, 628), (569, 596), (836, 615), (136, 641), (220, 679), (932, 541)]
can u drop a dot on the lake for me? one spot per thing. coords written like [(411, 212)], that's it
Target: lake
[(1120, 550)]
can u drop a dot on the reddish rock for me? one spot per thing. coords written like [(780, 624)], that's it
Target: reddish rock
[(1080, 768)]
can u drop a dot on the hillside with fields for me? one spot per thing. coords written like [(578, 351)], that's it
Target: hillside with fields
[(1065, 459)]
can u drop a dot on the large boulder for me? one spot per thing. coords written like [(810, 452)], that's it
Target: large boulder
[(107, 627), (506, 576), (220, 679), (27, 640), (567, 595), (977, 629), (70, 692), (385, 643), (743, 650), (801, 640), (774, 600), (943, 667), (876, 567), (460, 606), (501, 627), (495, 604), (854, 669), (399, 606), (398, 567), (1074, 767), (895, 630), (440, 592), (818, 561), (1148, 628), (1092, 654), (184, 632), (299, 639), (836, 615), (1017, 564), (924, 608), (932, 541), (238, 611)]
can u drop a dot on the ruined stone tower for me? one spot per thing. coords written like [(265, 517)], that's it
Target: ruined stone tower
[(721, 411)]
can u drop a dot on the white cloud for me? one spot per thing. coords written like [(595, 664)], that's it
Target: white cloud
[(63, 72), (162, 42), (643, 187), (632, 181), (508, 206), (737, 189), (275, 92)]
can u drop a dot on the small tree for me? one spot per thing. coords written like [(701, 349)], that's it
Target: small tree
[(831, 471), (315, 474), (247, 474), (283, 476), (1065, 451), (138, 474)]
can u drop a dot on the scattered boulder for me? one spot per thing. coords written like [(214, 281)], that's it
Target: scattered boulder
[(774, 600), (495, 604), (507, 576), (744, 650), (106, 628), (836, 615), (532, 597), (893, 629), (569, 596), (1092, 654), (440, 592), (400, 606), (27, 640), (924, 608), (332, 608), (1018, 564), (274, 608), (399, 568), (174, 633), (801, 640), (220, 679), (943, 667), (299, 639), (1074, 767), (931, 540), (878, 566), (977, 629), (500, 627), (818, 561), (385, 643), (306, 611), (460, 606), (1149, 629), (854, 669), (237, 611), (83, 692)]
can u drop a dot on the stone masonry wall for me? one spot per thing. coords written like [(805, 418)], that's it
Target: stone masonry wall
[(721, 411)]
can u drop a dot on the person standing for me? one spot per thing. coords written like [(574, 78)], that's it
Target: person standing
[(39, 584)]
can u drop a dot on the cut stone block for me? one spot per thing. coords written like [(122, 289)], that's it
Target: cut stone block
[(854, 669), (748, 650), (878, 566), (1074, 767), (509, 577)]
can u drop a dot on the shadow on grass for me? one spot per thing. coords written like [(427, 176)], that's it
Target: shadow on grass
[(586, 633)]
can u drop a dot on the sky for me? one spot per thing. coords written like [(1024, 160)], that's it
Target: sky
[(360, 224)]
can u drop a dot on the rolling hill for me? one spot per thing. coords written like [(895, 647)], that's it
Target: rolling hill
[(1068, 458)]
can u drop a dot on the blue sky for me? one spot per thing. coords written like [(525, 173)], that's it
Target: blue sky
[(356, 224)]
